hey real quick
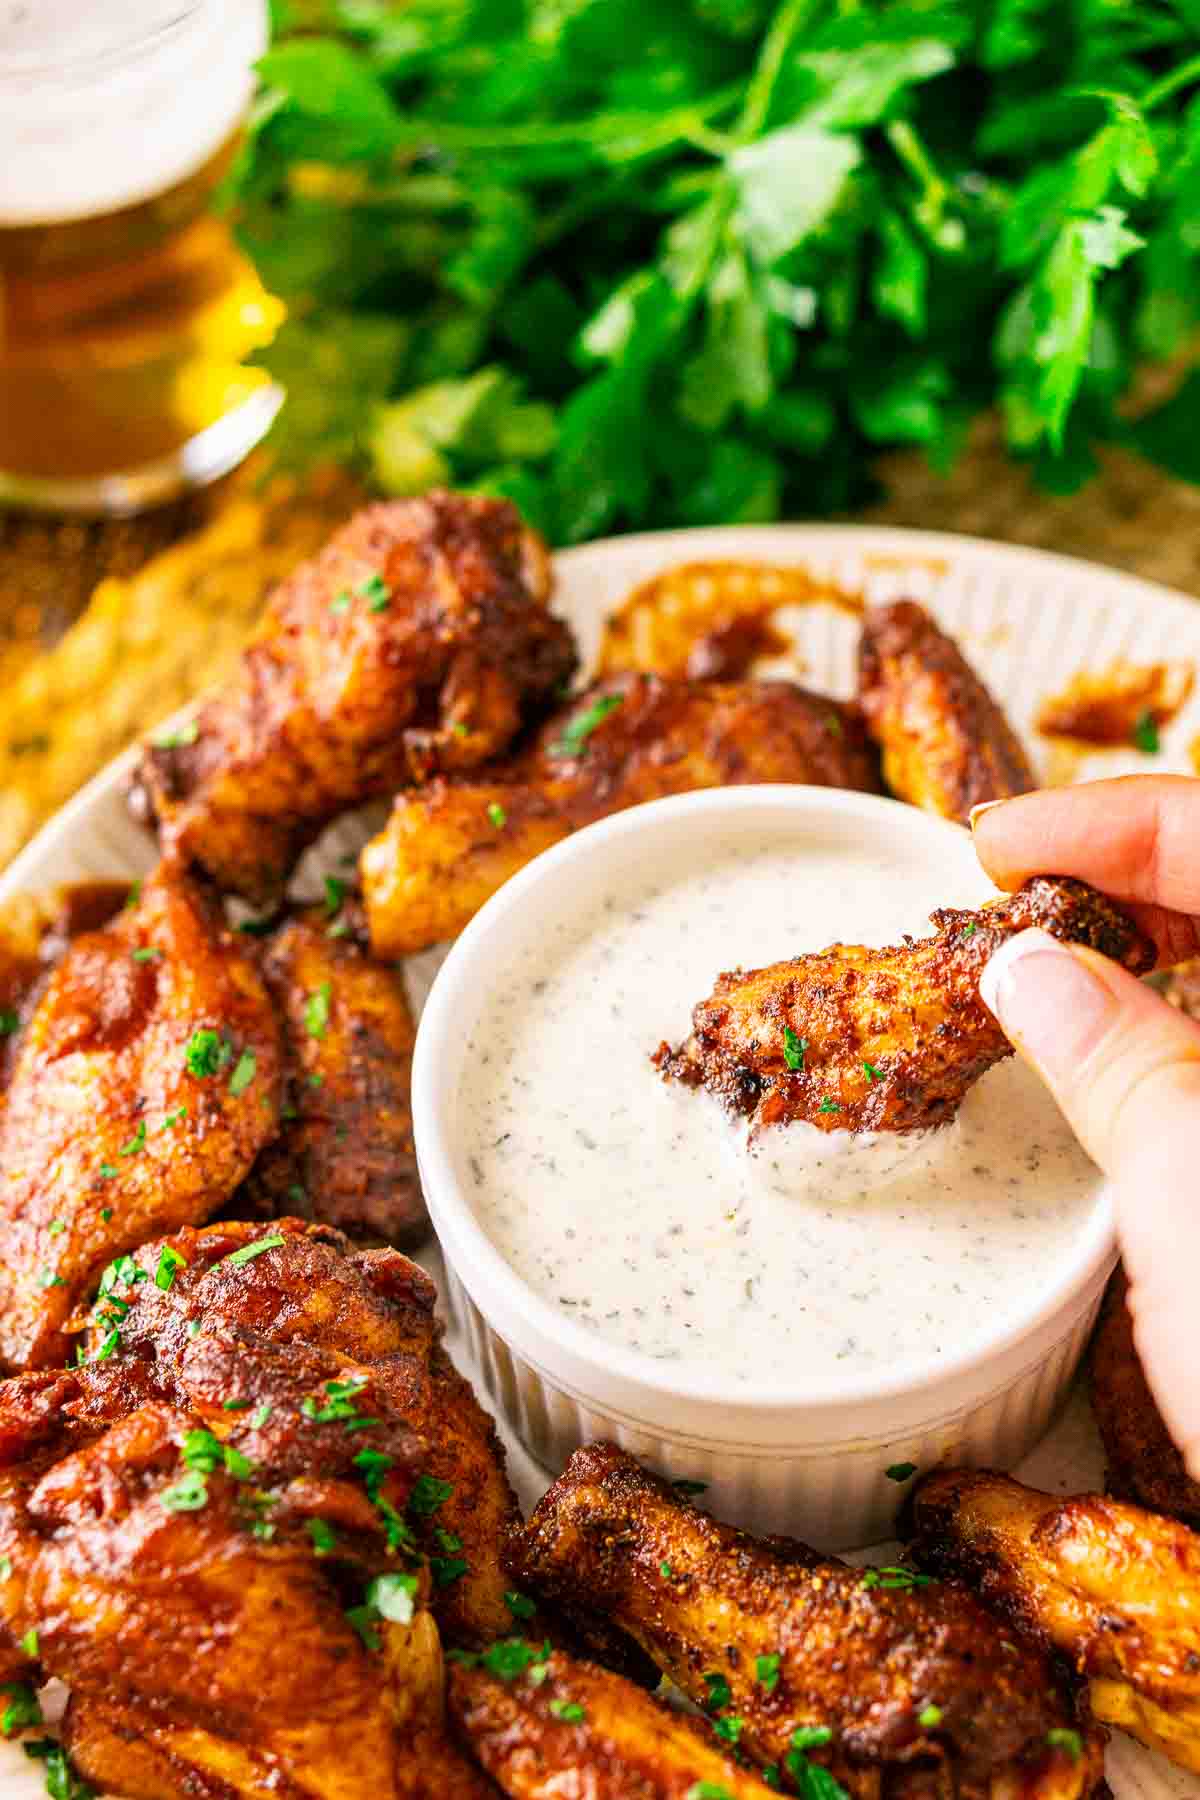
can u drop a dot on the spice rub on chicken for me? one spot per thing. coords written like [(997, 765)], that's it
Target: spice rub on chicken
[(419, 640), (858, 1039)]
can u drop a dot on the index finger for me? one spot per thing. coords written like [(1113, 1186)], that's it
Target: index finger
[(1136, 838)]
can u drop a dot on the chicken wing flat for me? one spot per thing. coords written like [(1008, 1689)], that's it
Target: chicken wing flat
[(1144, 1463), (1113, 1588), (143, 1086), (856, 1039), (344, 1155), (891, 1681), (946, 744), (417, 640), (549, 1726), (448, 846)]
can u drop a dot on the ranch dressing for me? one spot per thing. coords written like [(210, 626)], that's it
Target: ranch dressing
[(636, 1207)]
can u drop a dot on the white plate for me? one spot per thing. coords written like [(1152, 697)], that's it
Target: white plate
[(1026, 620)]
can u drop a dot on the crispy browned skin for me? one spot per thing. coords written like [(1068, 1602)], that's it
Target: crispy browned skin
[(338, 700), (1108, 1585), (863, 1661), (104, 1117), (947, 745), (894, 1038), (449, 846), (622, 1745), (1144, 1463), (344, 1155)]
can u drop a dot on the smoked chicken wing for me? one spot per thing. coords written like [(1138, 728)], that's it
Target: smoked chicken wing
[(1144, 1463), (448, 846), (142, 1088), (1114, 1589), (946, 743), (558, 1727), (418, 640), (893, 1680), (858, 1039)]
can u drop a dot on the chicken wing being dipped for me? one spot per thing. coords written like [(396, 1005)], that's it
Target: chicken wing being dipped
[(545, 1726), (344, 1154), (1113, 1588), (886, 1681), (143, 1086), (946, 743), (448, 846), (1144, 1463), (858, 1039), (419, 640)]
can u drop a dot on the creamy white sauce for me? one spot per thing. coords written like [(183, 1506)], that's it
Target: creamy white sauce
[(635, 1207)]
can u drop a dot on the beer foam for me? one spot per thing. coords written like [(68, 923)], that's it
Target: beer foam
[(102, 107)]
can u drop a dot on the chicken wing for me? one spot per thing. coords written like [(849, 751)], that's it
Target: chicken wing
[(947, 745), (143, 1086), (888, 1678), (856, 1039), (418, 640), (344, 1155), (1143, 1461), (449, 846), (547, 1726), (1113, 1588)]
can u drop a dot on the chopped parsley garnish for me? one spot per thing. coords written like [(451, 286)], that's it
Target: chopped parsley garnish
[(895, 1577), (771, 1775), (872, 1073), (929, 1716), (194, 1327), (520, 1605), (123, 1272), (719, 1693), (243, 1073), (147, 953), (339, 1405), (448, 1569), (363, 1620), (569, 1711), (22, 1708), (497, 815), (1064, 1738), (428, 1494), (169, 1261), (392, 1596), (316, 1011), (510, 1657), (900, 1471), (707, 1790), (324, 1537), (173, 1118), (376, 592), (106, 1212), (828, 1105), (28, 1645), (685, 1486), (235, 1405), (766, 1672), (62, 1782), (793, 1048), (1145, 733), (175, 740), (207, 1052), (666, 1571), (46, 1278), (188, 1494), (56, 1227), (136, 1142), (9, 1021), (316, 1080), (577, 732), (335, 893), (296, 1194), (459, 730), (971, 929), (5, 1567), (814, 1782), (257, 927), (730, 1728), (248, 1252), (108, 1347), (134, 894), (341, 602), (109, 1170), (203, 1451), (259, 1419)]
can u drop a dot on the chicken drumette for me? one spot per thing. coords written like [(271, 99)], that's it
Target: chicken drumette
[(418, 640), (1144, 1463), (1111, 1587), (946, 744), (448, 846), (901, 1688), (858, 1039)]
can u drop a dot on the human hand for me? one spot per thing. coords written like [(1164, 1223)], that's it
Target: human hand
[(1123, 1065)]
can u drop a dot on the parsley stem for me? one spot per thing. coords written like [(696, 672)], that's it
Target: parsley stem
[(1162, 90), (641, 131), (791, 18), (916, 159)]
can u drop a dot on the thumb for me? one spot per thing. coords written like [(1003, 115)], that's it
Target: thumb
[(1125, 1069)]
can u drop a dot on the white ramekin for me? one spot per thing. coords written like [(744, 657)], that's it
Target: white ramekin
[(810, 1462)]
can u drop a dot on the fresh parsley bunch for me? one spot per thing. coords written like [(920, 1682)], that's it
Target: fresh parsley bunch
[(681, 261)]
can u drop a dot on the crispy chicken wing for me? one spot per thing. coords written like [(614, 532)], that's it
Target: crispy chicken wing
[(881, 1040), (143, 1086), (418, 640), (344, 1155), (448, 846), (1144, 1463), (561, 1727), (1115, 1589), (906, 1680), (946, 743)]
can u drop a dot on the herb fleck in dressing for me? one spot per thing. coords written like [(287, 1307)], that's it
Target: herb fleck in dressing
[(637, 1208)]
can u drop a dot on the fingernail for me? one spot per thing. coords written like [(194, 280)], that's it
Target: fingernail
[(976, 813), (1050, 1003)]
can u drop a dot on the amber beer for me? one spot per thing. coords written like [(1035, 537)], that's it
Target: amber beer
[(125, 307)]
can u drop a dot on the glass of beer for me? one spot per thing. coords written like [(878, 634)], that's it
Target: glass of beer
[(125, 307)]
